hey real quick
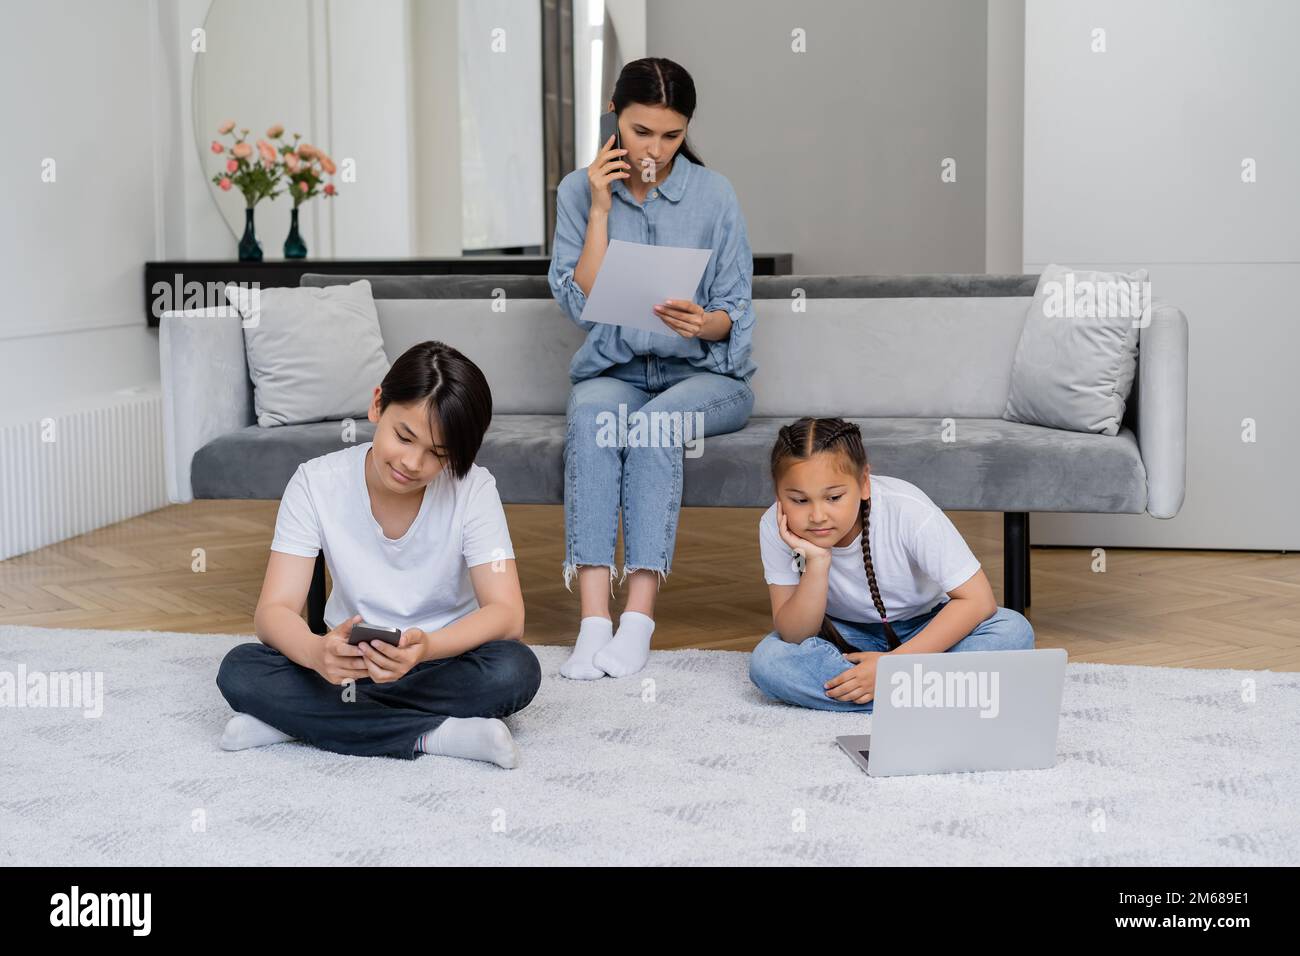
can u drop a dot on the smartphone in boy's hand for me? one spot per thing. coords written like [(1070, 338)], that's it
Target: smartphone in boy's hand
[(370, 632)]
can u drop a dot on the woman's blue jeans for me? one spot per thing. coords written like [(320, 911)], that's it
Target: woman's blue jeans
[(611, 466), (797, 673)]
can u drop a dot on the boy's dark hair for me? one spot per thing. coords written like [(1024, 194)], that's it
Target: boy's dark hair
[(655, 81), (456, 392), (799, 442)]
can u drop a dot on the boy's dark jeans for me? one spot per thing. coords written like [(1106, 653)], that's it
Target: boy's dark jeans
[(495, 679)]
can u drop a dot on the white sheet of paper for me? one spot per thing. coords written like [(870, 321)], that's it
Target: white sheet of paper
[(635, 277)]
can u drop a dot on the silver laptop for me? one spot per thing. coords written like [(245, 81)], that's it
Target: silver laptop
[(978, 710)]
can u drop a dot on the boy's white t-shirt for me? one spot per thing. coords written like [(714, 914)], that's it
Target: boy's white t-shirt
[(917, 554), (418, 580)]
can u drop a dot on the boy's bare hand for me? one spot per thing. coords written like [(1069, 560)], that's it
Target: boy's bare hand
[(386, 663), (337, 660)]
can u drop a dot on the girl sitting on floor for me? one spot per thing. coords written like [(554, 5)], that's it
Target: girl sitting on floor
[(860, 565)]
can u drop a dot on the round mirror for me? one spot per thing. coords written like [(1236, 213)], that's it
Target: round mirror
[(257, 71)]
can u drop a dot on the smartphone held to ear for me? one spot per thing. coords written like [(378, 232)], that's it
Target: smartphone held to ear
[(369, 632), (608, 128)]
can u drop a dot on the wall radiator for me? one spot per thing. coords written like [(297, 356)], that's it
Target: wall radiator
[(104, 464)]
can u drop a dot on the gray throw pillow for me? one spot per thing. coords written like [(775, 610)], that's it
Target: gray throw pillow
[(314, 354), (1077, 356)]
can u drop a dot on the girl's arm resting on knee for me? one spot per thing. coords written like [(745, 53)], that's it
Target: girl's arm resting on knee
[(500, 614), (278, 619), (972, 604), (797, 610)]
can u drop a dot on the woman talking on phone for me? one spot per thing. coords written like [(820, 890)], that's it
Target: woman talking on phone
[(647, 186)]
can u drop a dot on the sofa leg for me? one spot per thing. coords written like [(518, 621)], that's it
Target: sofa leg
[(1029, 567), (1015, 560), (316, 598)]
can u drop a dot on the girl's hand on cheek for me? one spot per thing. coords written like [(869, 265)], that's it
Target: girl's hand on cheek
[(810, 551), (386, 663)]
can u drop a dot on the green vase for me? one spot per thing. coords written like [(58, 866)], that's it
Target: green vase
[(294, 247), (250, 250)]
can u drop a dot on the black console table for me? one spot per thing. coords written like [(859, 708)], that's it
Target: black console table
[(174, 275)]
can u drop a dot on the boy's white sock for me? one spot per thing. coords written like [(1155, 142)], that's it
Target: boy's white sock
[(245, 730), (473, 738), (628, 652), (593, 634)]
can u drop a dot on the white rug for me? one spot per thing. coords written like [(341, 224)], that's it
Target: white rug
[(1156, 766)]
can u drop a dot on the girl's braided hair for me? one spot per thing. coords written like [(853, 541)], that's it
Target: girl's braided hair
[(799, 442)]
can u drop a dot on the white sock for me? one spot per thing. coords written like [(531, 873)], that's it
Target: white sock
[(473, 738), (245, 730), (593, 634), (628, 652)]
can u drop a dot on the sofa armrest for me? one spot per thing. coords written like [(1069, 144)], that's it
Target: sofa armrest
[(206, 391), (1161, 421)]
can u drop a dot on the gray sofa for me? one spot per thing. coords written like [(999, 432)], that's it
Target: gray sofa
[(899, 355)]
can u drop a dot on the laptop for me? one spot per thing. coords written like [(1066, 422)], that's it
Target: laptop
[(978, 710)]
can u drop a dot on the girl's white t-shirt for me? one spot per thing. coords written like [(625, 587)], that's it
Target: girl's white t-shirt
[(418, 580), (917, 553)]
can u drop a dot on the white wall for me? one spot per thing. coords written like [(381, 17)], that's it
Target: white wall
[(501, 123), (193, 227), (369, 122), (628, 19), (435, 118), (836, 152), (1133, 158), (77, 81), (1005, 113)]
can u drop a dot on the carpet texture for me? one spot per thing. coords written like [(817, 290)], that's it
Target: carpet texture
[(686, 763)]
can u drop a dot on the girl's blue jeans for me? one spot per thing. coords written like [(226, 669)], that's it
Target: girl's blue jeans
[(797, 673), (612, 469)]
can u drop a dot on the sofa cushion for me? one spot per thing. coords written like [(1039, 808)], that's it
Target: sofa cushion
[(313, 354), (1077, 355), (256, 462), (935, 357), (991, 465)]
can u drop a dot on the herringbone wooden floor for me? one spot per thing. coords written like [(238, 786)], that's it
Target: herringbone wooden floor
[(1172, 608)]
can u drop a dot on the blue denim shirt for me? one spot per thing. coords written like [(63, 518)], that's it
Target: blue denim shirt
[(694, 207)]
